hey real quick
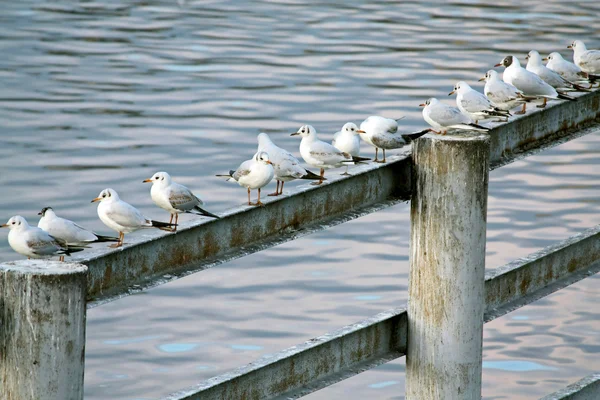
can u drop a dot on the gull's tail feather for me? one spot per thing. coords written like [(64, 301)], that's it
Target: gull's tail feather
[(566, 97), (72, 249), (409, 137), (359, 160), (580, 88), (102, 238), (501, 113), (312, 176), (201, 211), (527, 98), (471, 127), (229, 176), (165, 226)]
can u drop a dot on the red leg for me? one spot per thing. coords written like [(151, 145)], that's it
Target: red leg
[(249, 203), (281, 188), (276, 190)]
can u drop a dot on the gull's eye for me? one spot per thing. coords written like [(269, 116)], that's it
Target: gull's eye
[(352, 129), (13, 222), (156, 178), (104, 195)]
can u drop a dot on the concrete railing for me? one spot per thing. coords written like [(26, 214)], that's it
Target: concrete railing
[(449, 299)]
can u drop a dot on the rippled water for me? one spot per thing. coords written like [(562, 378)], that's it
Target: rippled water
[(99, 94)]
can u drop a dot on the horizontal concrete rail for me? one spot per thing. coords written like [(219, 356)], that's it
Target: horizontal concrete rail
[(156, 257), (586, 389), (328, 359)]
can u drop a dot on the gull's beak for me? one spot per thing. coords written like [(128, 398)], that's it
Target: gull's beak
[(3, 225), (422, 105), (147, 180), (96, 199), (482, 79), (570, 46), (498, 65), (545, 59), (269, 162), (451, 93), (40, 213), (360, 131), (295, 134)]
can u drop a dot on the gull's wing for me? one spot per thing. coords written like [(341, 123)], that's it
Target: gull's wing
[(327, 153), (126, 215), (590, 59), (181, 198), (531, 84), (243, 170), (501, 92), (288, 168), (448, 116), (475, 102), (71, 232), (41, 243), (379, 124)]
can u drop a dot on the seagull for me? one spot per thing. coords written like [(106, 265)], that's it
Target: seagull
[(320, 154), (443, 117), (286, 166), (175, 198), (68, 231), (35, 242), (123, 217), (503, 95), (253, 174), (382, 133), (566, 69), (348, 141), (474, 104), (528, 82), (535, 65), (587, 60)]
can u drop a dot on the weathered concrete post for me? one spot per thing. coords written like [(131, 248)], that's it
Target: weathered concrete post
[(42, 330), (447, 266)]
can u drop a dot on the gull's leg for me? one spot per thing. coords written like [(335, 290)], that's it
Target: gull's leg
[(258, 202), (444, 132), (249, 203), (376, 154), (320, 181), (171, 220), (120, 242), (346, 172), (522, 109), (61, 258), (544, 103), (383, 156), (281, 188), (276, 190), (174, 228)]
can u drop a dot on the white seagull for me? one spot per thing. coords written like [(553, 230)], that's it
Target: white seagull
[(382, 133), (286, 166), (123, 217), (566, 69), (348, 141), (528, 82), (587, 60), (35, 242), (68, 231), (535, 65), (175, 198), (443, 117), (320, 154), (503, 95), (474, 104), (253, 174)]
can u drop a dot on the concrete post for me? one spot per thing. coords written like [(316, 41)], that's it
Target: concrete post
[(447, 267), (42, 330)]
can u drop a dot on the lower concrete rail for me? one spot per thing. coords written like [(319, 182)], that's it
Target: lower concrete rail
[(156, 256), (586, 389), (325, 360)]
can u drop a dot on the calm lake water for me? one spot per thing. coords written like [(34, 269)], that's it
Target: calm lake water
[(104, 94)]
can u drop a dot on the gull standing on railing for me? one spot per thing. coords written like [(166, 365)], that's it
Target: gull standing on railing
[(253, 174), (528, 82), (348, 141), (382, 133), (587, 60), (175, 198), (443, 117), (503, 95), (320, 154), (566, 69), (475, 105), (123, 217), (286, 166), (68, 231), (35, 242)]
